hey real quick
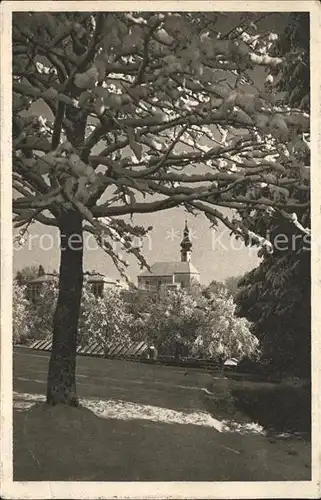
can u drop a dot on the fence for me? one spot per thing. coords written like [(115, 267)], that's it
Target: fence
[(134, 350)]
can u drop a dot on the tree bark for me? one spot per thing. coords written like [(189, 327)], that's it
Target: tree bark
[(61, 386)]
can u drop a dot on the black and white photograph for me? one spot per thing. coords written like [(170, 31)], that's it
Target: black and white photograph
[(160, 264)]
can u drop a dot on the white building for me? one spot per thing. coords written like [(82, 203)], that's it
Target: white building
[(171, 275), (96, 281)]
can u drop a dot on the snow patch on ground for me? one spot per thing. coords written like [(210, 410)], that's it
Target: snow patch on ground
[(126, 410)]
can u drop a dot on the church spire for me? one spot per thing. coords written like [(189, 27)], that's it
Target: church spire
[(186, 245)]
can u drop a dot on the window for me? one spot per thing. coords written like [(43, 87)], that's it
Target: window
[(97, 289), (173, 286), (33, 292), (147, 284)]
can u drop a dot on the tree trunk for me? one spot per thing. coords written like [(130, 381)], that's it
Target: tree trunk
[(61, 387)]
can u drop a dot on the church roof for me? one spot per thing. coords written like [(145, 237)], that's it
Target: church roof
[(169, 268), (186, 243)]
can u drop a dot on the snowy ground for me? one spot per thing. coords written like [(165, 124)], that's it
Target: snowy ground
[(142, 422), (125, 410)]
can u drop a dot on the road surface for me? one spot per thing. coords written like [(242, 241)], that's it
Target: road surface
[(151, 423)]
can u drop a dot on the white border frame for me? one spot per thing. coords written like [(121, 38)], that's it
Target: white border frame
[(64, 490)]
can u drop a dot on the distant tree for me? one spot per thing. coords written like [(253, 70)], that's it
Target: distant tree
[(276, 298), (138, 304), (104, 319), (26, 274), (214, 289), (222, 334), (294, 46), (19, 278), (172, 321), (42, 311), (41, 271), (231, 284), (21, 319), (137, 301), (196, 288), (205, 325), (277, 295)]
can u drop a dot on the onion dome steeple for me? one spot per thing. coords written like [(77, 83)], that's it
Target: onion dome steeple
[(186, 245)]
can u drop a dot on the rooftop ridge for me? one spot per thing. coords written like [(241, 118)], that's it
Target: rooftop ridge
[(169, 268)]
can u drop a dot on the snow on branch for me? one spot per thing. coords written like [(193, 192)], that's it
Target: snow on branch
[(155, 105)]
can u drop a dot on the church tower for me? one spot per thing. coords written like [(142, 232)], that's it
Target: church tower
[(168, 275), (186, 245)]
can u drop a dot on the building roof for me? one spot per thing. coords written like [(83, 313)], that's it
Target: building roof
[(89, 277), (169, 268), (99, 278), (44, 278)]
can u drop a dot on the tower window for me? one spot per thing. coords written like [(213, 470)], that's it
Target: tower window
[(97, 289)]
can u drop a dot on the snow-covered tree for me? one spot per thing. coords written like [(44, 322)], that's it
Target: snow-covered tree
[(41, 310), (203, 325), (138, 305), (103, 319), (222, 334), (172, 320), (277, 295), (214, 289), (294, 46), (21, 320), (143, 112)]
